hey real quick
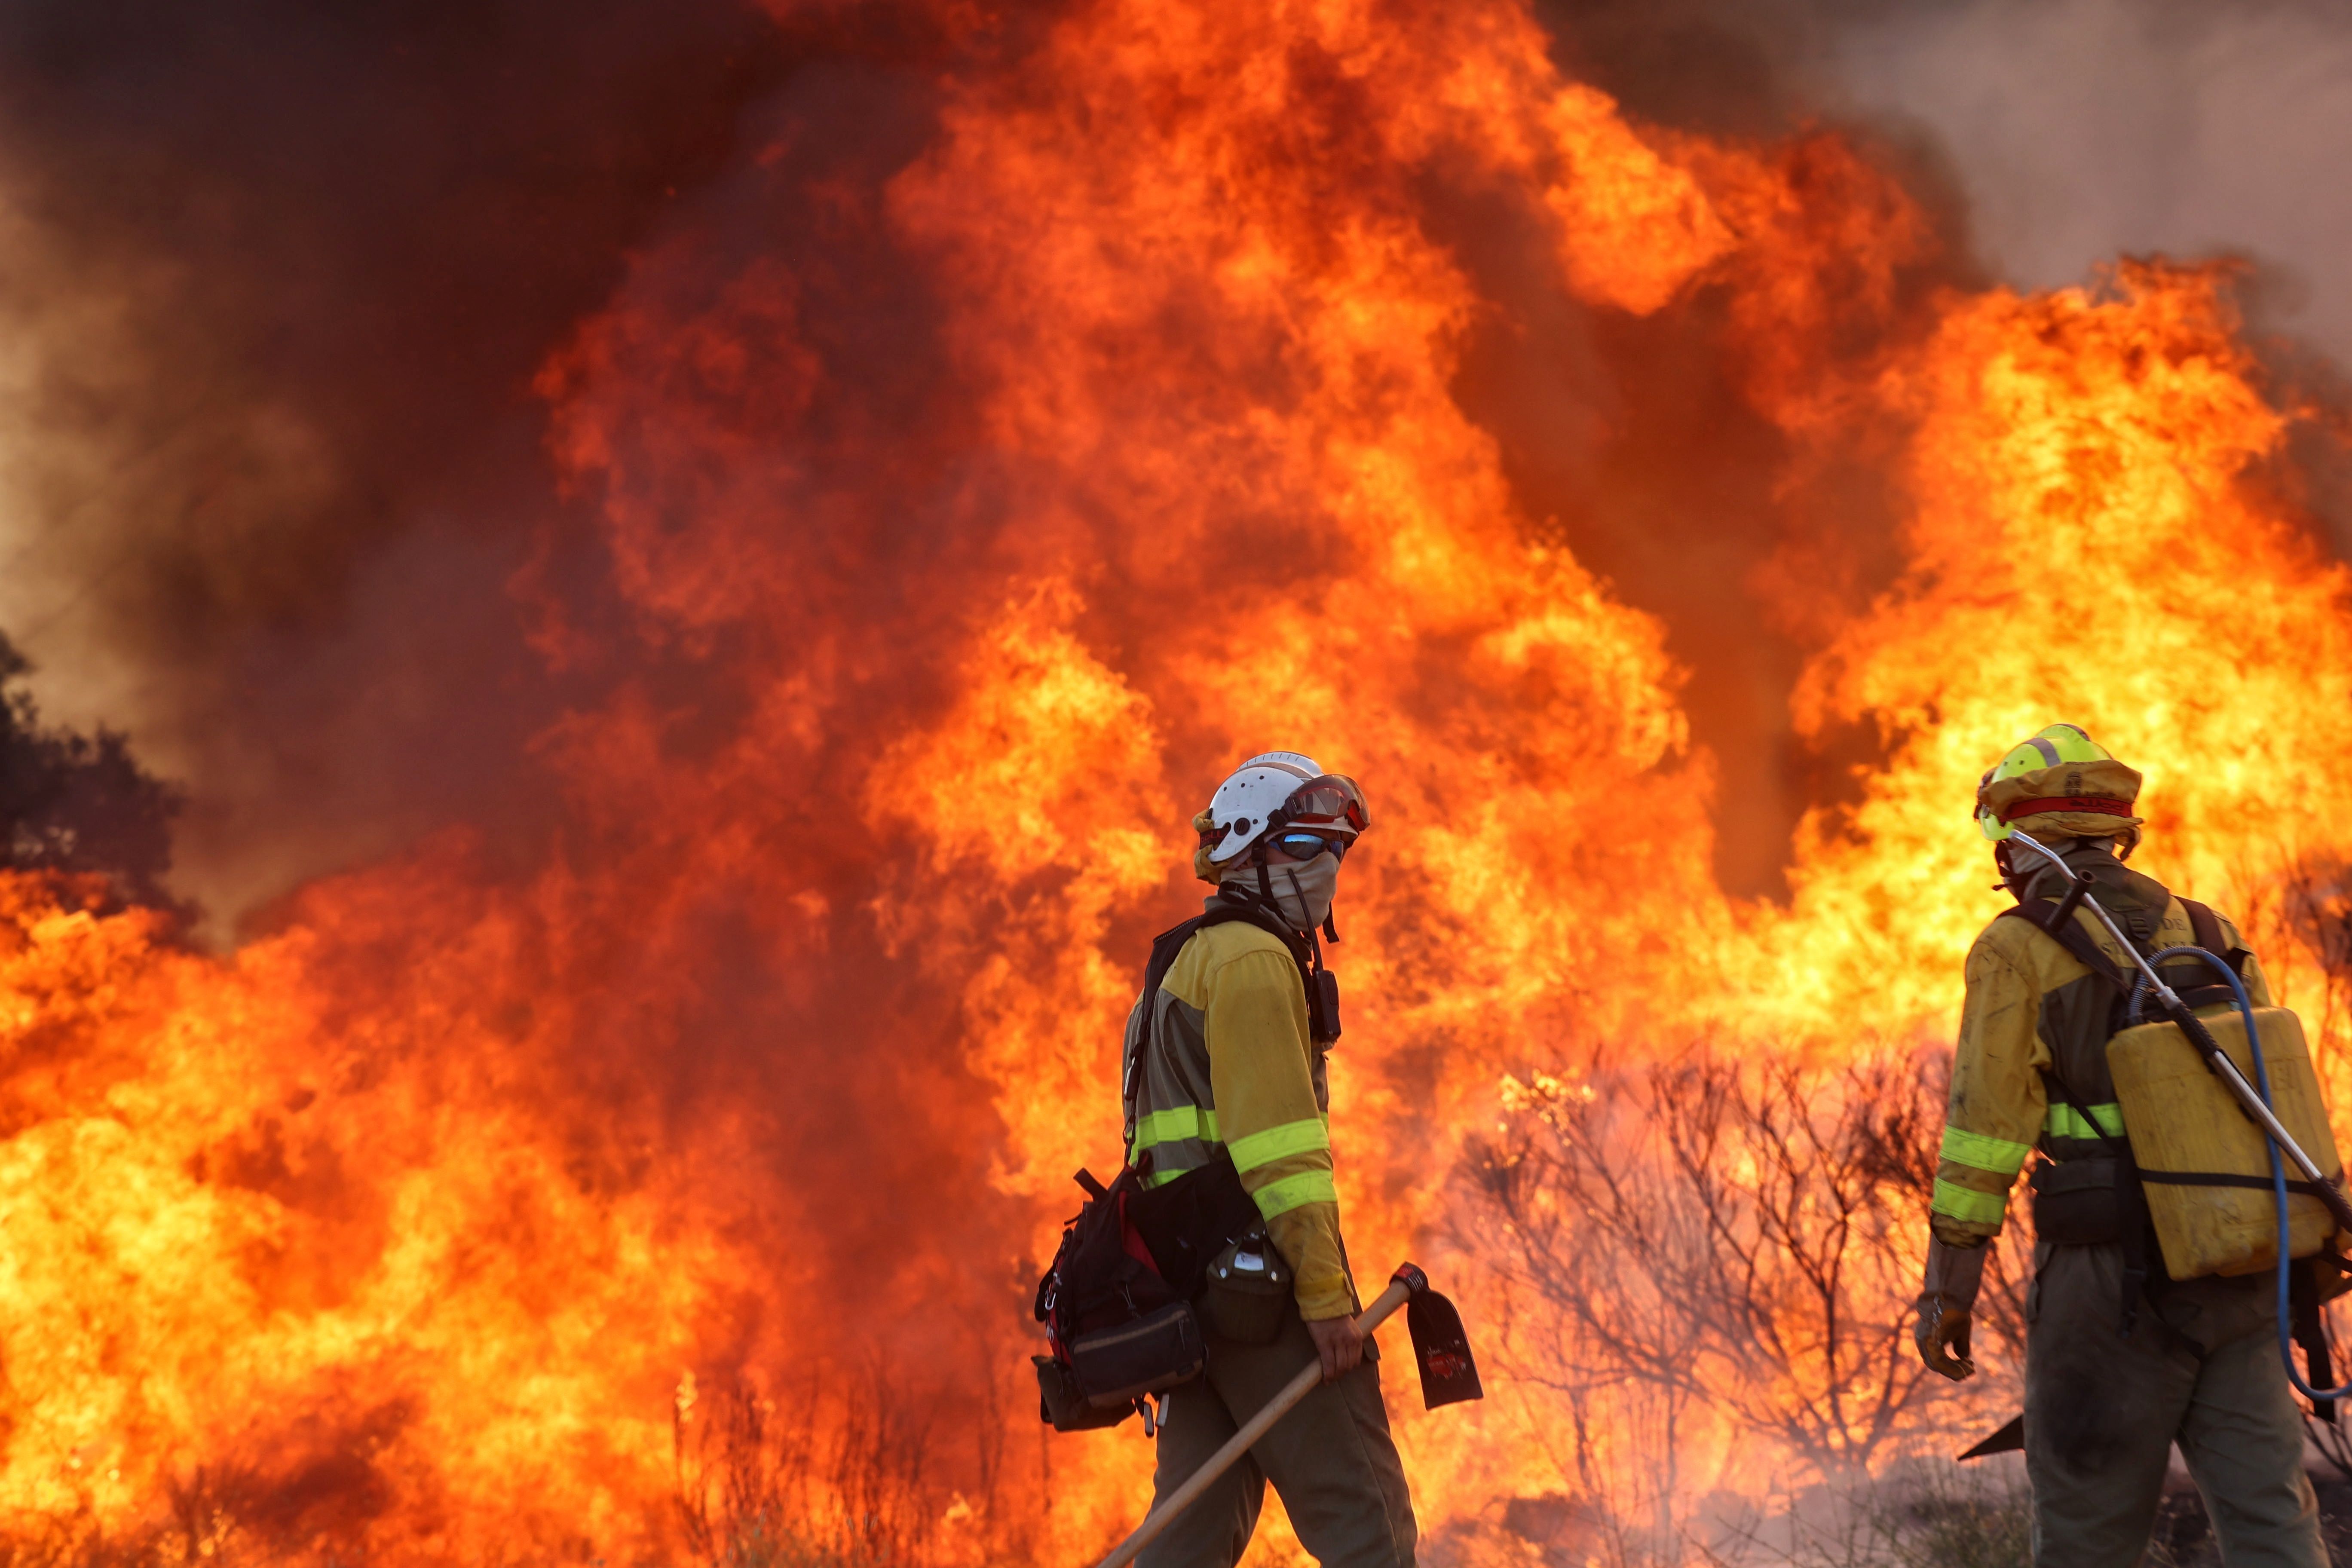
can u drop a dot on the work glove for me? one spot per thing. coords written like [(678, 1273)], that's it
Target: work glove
[(1954, 1274), (1942, 1336)]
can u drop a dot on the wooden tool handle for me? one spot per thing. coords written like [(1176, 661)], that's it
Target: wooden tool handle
[(1296, 1389)]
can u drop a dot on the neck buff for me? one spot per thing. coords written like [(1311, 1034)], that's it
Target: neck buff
[(1302, 894)]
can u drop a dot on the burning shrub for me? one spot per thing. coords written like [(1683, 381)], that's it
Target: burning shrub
[(804, 1482), (1710, 1253)]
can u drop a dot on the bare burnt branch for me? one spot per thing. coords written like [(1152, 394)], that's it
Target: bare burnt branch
[(1741, 1233)]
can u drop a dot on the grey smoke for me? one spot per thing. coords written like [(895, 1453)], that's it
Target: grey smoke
[(274, 282), (2079, 129)]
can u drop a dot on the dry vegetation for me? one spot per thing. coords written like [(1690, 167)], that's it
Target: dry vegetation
[(1709, 1266), (760, 1487)]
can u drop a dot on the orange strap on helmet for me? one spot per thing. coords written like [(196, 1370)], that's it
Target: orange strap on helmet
[(2101, 806)]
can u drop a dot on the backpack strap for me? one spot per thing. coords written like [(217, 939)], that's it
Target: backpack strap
[(2076, 941), (1321, 989), (2207, 990), (1233, 906), (1164, 949), (2208, 927), (2131, 1202)]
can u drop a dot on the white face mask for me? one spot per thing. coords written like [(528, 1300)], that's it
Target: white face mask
[(1302, 893)]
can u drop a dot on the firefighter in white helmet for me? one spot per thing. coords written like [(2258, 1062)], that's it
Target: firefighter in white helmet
[(1230, 1050)]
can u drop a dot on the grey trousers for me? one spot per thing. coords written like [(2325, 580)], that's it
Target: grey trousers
[(2101, 1413), (1332, 1461)]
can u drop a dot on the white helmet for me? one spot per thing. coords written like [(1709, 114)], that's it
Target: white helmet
[(1276, 790)]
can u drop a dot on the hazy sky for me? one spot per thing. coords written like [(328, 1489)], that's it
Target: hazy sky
[(2079, 129)]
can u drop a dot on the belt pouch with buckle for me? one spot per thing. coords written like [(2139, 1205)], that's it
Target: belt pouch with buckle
[(1249, 1288), (2074, 1202), (1116, 1367), (1064, 1407)]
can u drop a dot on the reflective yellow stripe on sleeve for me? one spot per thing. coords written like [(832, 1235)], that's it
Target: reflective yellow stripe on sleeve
[(2065, 1121), (1968, 1203), (1176, 1121), (1983, 1153), (1306, 1187), (1290, 1138)]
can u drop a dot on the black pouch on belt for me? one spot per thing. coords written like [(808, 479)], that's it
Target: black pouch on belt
[(1116, 1367), (1189, 1221), (1249, 1288), (2075, 1202), (1064, 1406)]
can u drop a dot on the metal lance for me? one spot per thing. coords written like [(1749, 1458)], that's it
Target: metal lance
[(2217, 1060)]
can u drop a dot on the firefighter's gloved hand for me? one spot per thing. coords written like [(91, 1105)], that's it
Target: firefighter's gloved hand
[(1954, 1274), (1340, 1345), (1942, 1335)]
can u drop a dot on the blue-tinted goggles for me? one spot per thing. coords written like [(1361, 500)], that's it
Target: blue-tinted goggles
[(1307, 846)]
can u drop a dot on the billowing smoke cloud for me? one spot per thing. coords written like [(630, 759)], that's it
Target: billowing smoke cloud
[(275, 281), (2085, 128), (2070, 131), (2078, 131)]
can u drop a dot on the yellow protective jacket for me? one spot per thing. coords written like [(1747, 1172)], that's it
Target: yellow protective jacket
[(2032, 1007), (1232, 1065)]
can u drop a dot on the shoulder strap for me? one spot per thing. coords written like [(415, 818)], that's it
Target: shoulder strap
[(1165, 947), (1321, 986), (2207, 925), (2076, 941), (2212, 938), (1169, 943), (1232, 909), (2131, 1203), (2202, 987)]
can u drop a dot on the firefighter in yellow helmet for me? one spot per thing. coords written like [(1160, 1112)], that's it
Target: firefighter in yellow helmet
[(1229, 1050), (2121, 1361)]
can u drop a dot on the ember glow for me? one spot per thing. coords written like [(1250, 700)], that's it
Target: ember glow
[(971, 505)]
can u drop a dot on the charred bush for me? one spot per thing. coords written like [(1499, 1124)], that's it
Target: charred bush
[(79, 803), (1725, 1246)]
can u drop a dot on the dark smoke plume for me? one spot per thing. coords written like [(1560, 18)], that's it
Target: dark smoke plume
[(281, 277), (285, 273)]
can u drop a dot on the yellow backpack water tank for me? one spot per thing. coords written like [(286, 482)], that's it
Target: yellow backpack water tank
[(2182, 1123)]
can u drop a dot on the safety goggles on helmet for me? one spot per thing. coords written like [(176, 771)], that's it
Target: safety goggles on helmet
[(1276, 791), (2046, 748), (1332, 800), (1307, 846)]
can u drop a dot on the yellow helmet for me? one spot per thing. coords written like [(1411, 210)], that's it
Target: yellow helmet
[(2046, 748)]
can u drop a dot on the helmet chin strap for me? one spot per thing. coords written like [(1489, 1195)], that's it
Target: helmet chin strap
[(2005, 863), (1330, 924), (1266, 893), (1265, 887)]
